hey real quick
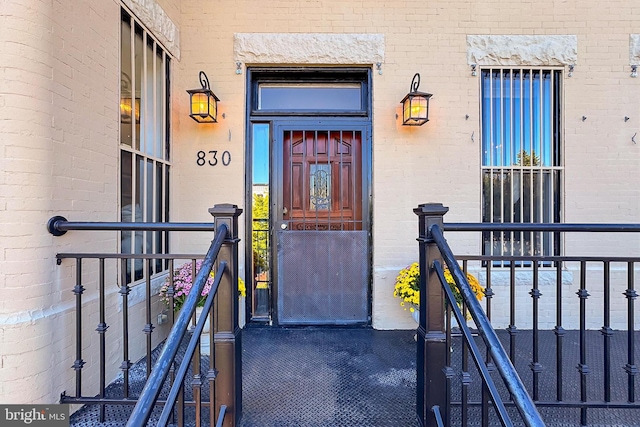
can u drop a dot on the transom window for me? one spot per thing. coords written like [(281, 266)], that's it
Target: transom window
[(309, 92), (144, 144), (310, 97), (521, 157)]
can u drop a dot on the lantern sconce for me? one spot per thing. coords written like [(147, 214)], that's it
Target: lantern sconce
[(204, 103), (415, 106)]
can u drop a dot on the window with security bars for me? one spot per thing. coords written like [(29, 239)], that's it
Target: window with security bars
[(521, 158), (144, 144)]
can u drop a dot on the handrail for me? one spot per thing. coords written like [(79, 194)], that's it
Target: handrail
[(151, 391), (223, 411), (541, 227), (438, 415), (523, 401), (59, 225), (475, 351)]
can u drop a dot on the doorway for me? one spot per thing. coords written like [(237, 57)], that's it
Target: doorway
[(310, 259)]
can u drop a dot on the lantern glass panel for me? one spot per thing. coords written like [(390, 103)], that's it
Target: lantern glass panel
[(199, 104), (419, 108)]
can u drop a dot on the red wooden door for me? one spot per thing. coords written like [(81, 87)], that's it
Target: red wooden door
[(322, 180)]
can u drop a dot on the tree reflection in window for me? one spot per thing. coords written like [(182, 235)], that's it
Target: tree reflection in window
[(320, 186)]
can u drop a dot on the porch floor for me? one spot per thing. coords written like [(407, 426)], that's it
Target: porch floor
[(321, 377), (328, 377)]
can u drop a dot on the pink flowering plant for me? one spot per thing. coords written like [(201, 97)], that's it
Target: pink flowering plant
[(183, 282)]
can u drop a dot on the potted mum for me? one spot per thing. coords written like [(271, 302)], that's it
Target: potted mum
[(407, 288), (183, 282)]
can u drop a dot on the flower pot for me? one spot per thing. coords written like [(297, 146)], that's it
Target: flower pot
[(416, 315)]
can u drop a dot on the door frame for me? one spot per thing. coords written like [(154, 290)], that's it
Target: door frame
[(360, 120)]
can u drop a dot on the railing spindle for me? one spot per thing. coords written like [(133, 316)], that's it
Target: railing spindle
[(148, 327), (465, 377), (126, 363), (582, 367), (465, 374), (512, 329), (212, 373), (78, 291), (488, 293), (535, 366), (631, 369), (102, 329), (559, 331), (196, 381), (606, 330)]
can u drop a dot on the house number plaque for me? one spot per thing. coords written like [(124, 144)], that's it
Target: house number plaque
[(211, 158)]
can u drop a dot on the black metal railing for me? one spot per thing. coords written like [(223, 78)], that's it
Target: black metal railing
[(497, 354), (436, 372), (568, 323), (223, 377)]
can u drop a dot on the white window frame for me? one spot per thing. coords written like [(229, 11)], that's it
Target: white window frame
[(144, 137)]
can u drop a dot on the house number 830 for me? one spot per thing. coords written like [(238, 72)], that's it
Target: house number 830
[(211, 158)]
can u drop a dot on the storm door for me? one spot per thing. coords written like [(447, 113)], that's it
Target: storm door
[(321, 230)]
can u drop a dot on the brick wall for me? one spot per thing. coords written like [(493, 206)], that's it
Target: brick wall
[(438, 161), (59, 83)]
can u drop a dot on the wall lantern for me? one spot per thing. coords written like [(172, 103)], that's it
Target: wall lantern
[(415, 106), (204, 103)]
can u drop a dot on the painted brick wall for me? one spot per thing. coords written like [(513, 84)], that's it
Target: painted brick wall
[(438, 162), (59, 83)]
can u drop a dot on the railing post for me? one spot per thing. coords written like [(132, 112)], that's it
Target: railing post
[(227, 346), (431, 353)]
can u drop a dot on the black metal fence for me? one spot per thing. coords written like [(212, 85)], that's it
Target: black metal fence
[(221, 380), (544, 310)]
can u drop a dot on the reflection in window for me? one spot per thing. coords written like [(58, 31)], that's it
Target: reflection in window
[(521, 166), (320, 187), (144, 162)]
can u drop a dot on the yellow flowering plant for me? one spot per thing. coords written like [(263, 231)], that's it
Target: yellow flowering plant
[(407, 287)]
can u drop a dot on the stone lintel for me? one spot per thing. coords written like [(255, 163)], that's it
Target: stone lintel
[(517, 50), (308, 48)]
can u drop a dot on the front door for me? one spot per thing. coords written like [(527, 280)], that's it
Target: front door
[(322, 235)]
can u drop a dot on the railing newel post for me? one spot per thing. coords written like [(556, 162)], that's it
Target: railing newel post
[(431, 330), (226, 350)]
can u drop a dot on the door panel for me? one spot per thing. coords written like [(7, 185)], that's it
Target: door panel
[(322, 180), (322, 240)]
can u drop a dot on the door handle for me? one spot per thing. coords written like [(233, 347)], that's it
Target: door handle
[(283, 226), (285, 211)]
